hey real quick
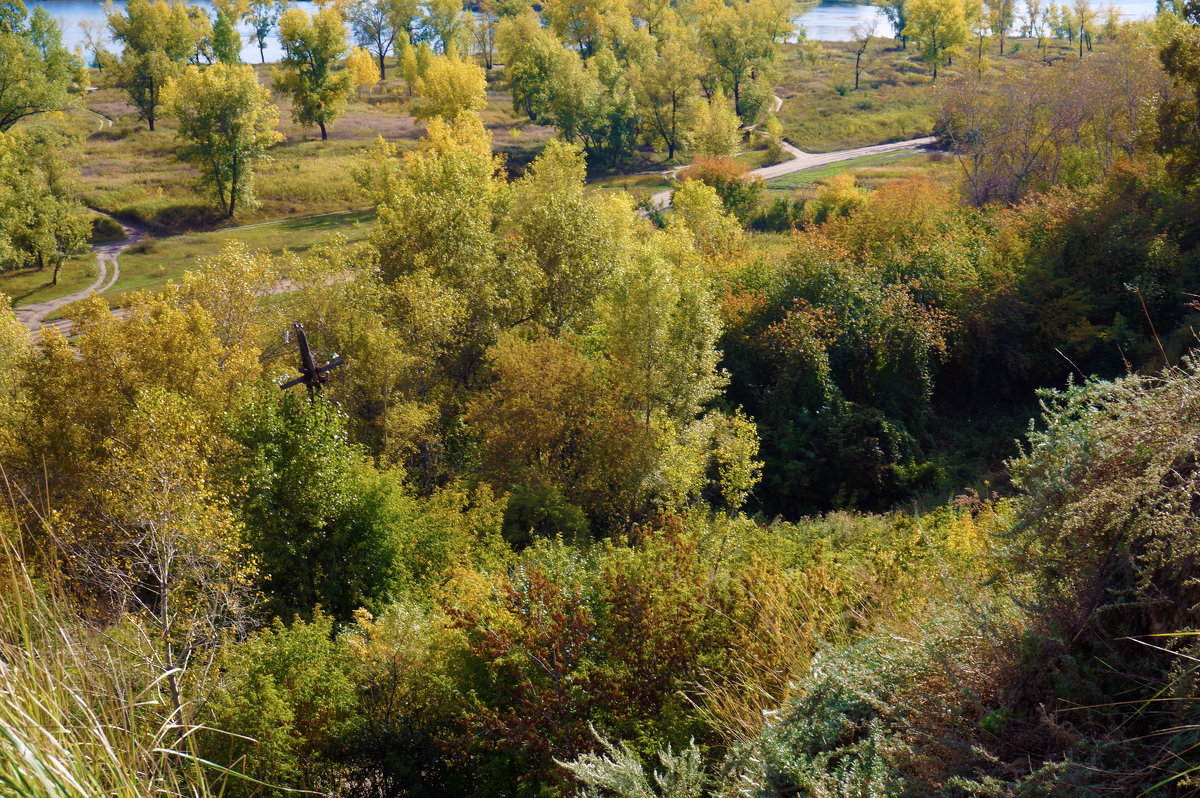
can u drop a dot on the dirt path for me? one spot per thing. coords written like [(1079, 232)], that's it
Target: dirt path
[(803, 160), (33, 315)]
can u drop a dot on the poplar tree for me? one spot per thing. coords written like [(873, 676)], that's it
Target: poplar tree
[(313, 74)]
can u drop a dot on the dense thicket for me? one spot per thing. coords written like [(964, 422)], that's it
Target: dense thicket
[(520, 544)]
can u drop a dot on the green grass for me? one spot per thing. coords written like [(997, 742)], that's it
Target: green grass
[(879, 168), (150, 267), (26, 286), (896, 99)]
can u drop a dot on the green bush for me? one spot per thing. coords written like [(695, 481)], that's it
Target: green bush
[(105, 230)]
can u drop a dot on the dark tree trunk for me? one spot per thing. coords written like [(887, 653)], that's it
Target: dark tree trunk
[(324, 135)]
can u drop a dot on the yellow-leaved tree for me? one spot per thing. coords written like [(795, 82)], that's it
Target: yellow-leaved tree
[(361, 65), (228, 122), (313, 71), (449, 87), (940, 28)]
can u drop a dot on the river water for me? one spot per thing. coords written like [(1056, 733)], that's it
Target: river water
[(825, 22)]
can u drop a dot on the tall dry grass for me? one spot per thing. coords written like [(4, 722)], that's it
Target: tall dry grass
[(77, 718)]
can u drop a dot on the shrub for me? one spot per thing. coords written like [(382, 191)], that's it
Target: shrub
[(105, 229), (739, 190)]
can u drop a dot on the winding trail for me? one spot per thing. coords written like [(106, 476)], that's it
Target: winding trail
[(33, 315), (800, 159)]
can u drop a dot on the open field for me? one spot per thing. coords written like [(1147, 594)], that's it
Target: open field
[(134, 173), (874, 170), (151, 264), (896, 99)]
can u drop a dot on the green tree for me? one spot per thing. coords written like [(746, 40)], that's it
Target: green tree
[(445, 24), (263, 17), (36, 70), (593, 104), (289, 695), (715, 130), (666, 93), (1001, 15), (379, 25), (1179, 112), (662, 327), (228, 123), (95, 37), (322, 521), (226, 41), (570, 235), (896, 12), (450, 292), (42, 221), (534, 61), (314, 48), (742, 45), (157, 39)]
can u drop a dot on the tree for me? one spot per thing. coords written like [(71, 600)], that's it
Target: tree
[(36, 70), (896, 12), (584, 25), (379, 24), (157, 39), (1179, 114), (862, 34), (263, 16), (226, 41), (591, 103), (444, 24), (1085, 22), (314, 48), (484, 38), (568, 234), (666, 93), (662, 327), (95, 37), (940, 27), (1001, 14), (361, 64), (551, 425), (533, 64), (42, 222), (228, 122), (742, 44), (172, 554), (449, 87), (322, 521), (739, 190), (716, 233), (715, 129)]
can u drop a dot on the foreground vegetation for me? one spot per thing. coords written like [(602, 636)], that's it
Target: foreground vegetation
[(606, 499)]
